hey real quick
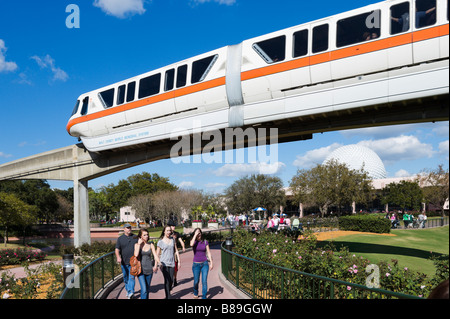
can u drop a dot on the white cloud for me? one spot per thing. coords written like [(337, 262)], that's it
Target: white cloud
[(247, 169), (185, 184), (399, 148), (441, 129), (215, 185), (5, 155), (5, 66), (48, 62), (121, 8), (402, 173), (226, 2), (443, 149), (316, 156)]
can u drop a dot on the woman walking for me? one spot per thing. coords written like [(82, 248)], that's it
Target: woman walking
[(145, 251), (200, 265), (168, 250)]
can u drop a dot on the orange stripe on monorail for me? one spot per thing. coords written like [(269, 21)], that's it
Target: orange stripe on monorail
[(146, 101), (348, 52), (364, 48)]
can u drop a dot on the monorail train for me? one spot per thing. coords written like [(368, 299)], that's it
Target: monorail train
[(389, 51)]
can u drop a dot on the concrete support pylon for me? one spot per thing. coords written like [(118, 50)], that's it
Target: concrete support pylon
[(82, 231), (82, 225)]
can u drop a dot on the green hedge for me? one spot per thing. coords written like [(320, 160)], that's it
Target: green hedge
[(365, 223)]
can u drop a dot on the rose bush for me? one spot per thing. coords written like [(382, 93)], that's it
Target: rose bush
[(306, 256)]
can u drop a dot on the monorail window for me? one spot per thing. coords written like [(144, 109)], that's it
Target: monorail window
[(170, 80), (181, 76), (360, 28), (400, 18), (271, 50), (121, 94), (300, 43), (107, 97), (75, 109), (131, 90), (201, 68), (320, 38), (149, 85), (425, 13), (84, 107)]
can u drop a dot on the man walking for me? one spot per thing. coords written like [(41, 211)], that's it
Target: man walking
[(124, 250)]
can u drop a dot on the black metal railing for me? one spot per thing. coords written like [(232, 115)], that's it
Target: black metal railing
[(260, 280), (91, 279)]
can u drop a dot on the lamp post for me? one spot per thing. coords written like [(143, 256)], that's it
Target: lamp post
[(229, 243), (68, 269), (229, 247)]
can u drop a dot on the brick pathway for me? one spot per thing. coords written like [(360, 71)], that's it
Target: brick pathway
[(185, 278)]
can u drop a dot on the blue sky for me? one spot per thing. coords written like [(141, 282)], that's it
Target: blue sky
[(45, 66)]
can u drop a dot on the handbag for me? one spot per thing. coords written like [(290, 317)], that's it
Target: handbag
[(135, 264)]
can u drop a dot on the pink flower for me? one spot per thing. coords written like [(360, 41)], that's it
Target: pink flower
[(254, 239), (349, 288), (388, 274), (274, 251), (299, 257)]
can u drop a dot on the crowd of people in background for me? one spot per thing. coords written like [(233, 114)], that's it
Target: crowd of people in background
[(408, 219)]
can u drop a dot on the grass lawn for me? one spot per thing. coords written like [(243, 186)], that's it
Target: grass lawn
[(412, 248)]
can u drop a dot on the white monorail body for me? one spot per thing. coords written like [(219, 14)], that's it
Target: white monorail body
[(389, 51)]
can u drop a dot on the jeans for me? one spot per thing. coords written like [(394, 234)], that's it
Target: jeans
[(144, 282), (128, 279), (168, 279), (202, 268)]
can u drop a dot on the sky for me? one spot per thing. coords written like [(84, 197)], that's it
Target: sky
[(47, 60)]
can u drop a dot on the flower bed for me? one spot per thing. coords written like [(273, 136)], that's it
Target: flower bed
[(19, 255), (306, 256)]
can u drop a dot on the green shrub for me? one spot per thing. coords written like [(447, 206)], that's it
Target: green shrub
[(94, 249), (365, 223), (305, 256)]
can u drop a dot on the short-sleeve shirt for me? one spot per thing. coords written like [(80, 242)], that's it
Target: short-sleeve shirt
[(125, 244), (199, 249), (167, 253)]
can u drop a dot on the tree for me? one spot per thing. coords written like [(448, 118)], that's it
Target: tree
[(330, 184), (435, 186), (253, 191), (99, 207), (15, 212), (34, 192), (137, 184), (405, 194), (143, 206)]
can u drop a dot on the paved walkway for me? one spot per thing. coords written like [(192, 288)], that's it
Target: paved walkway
[(185, 278)]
